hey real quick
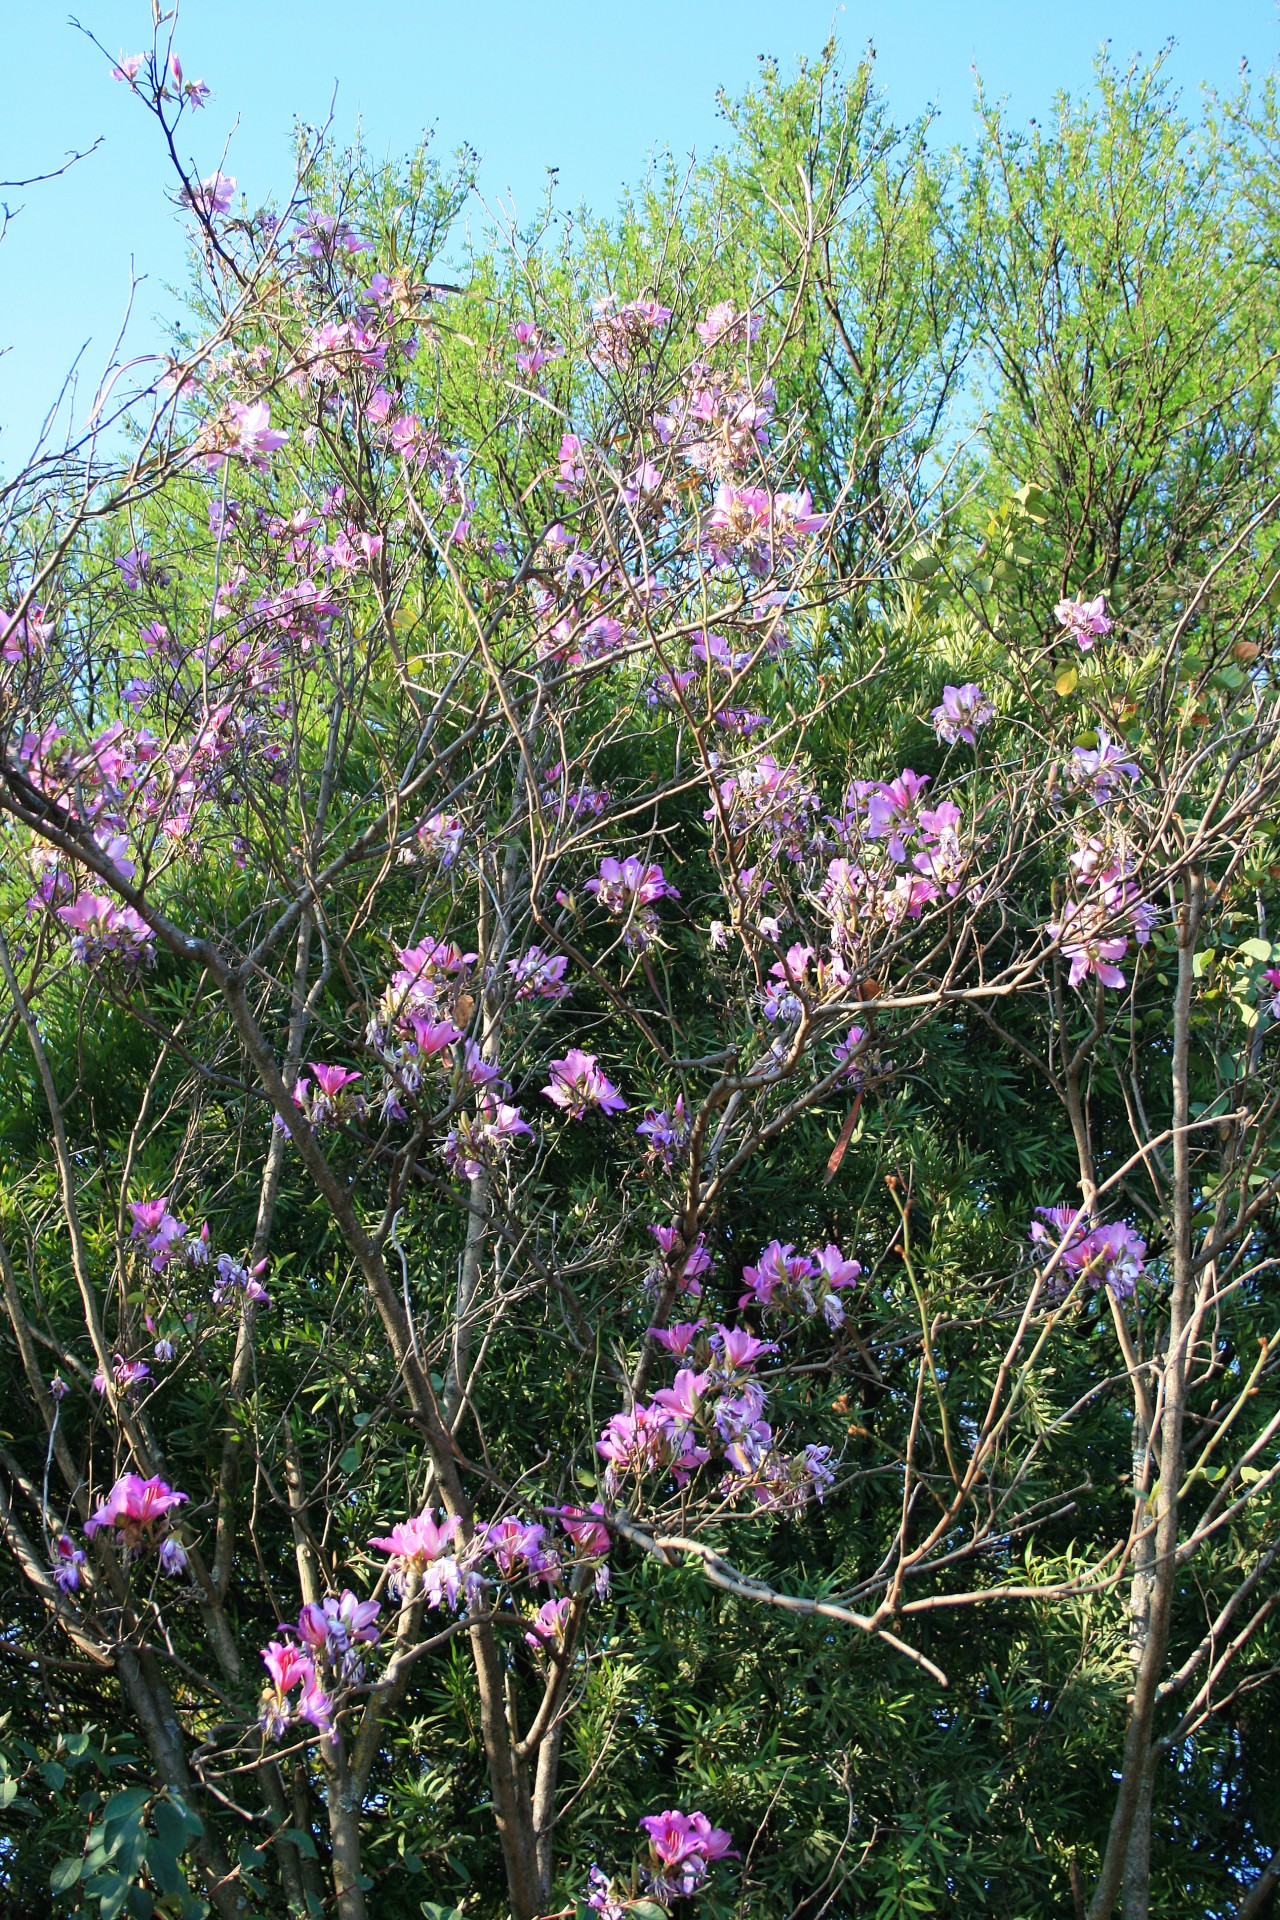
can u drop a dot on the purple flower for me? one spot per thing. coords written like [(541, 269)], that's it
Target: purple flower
[(548, 1626), (680, 1848), (1113, 1255), (577, 1084), (1099, 768), (210, 196), (66, 1569), (536, 975), (1088, 940), (100, 929), (963, 711), (1085, 620)]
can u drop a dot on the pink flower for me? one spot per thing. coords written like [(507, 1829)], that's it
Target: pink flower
[(739, 1349), (1085, 620), (963, 711), (100, 928), (129, 67), (537, 975), (588, 1535), (422, 1546), (1083, 935), (549, 1624), (577, 1084), (255, 436), (66, 1570), (134, 1506), (1099, 768), (679, 1339), (210, 196), (1113, 1255), (680, 1848)]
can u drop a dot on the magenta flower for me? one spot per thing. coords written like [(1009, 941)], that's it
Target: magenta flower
[(680, 1339), (210, 196), (1083, 935), (1099, 769), (517, 1547), (1085, 620), (680, 1847), (100, 928), (964, 710), (421, 1546), (577, 1084), (1113, 1255), (135, 1507), (587, 1533), (739, 1349), (255, 436), (128, 67), (548, 1625), (627, 889), (1272, 977), (536, 975), (666, 1133), (66, 1569)]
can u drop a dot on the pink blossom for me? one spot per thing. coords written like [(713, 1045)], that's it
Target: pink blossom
[(537, 975), (964, 710), (585, 1529), (210, 196), (134, 1506), (577, 1084), (1083, 935), (66, 1569), (1085, 620), (549, 1624)]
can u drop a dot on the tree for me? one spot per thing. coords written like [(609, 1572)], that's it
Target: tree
[(639, 1152)]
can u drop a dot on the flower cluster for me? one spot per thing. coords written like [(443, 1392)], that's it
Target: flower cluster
[(681, 1847), (577, 1085), (626, 889), (713, 1410), (138, 1510), (1112, 1255), (799, 1284)]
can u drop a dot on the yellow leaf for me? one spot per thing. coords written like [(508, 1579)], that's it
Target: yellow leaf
[(1066, 682)]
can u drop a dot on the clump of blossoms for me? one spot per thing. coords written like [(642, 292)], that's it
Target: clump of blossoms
[(627, 889), (802, 1285), (420, 1555), (1094, 926), (1112, 1256), (103, 930), (138, 1510), (290, 1667), (759, 528), (714, 1410), (681, 1848), (578, 1085), (964, 711)]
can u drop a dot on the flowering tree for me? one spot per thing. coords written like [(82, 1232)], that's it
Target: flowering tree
[(640, 1064)]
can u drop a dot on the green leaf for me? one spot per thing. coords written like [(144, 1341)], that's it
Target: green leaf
[(647, 1910), (124, 1807), (54, 1775), (164, 1868), (66, 1875), (170, 1825), (8, 1792), (109, 1888), (1255, 949)]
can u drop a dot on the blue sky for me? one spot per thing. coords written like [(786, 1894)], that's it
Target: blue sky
[(588, 88)]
